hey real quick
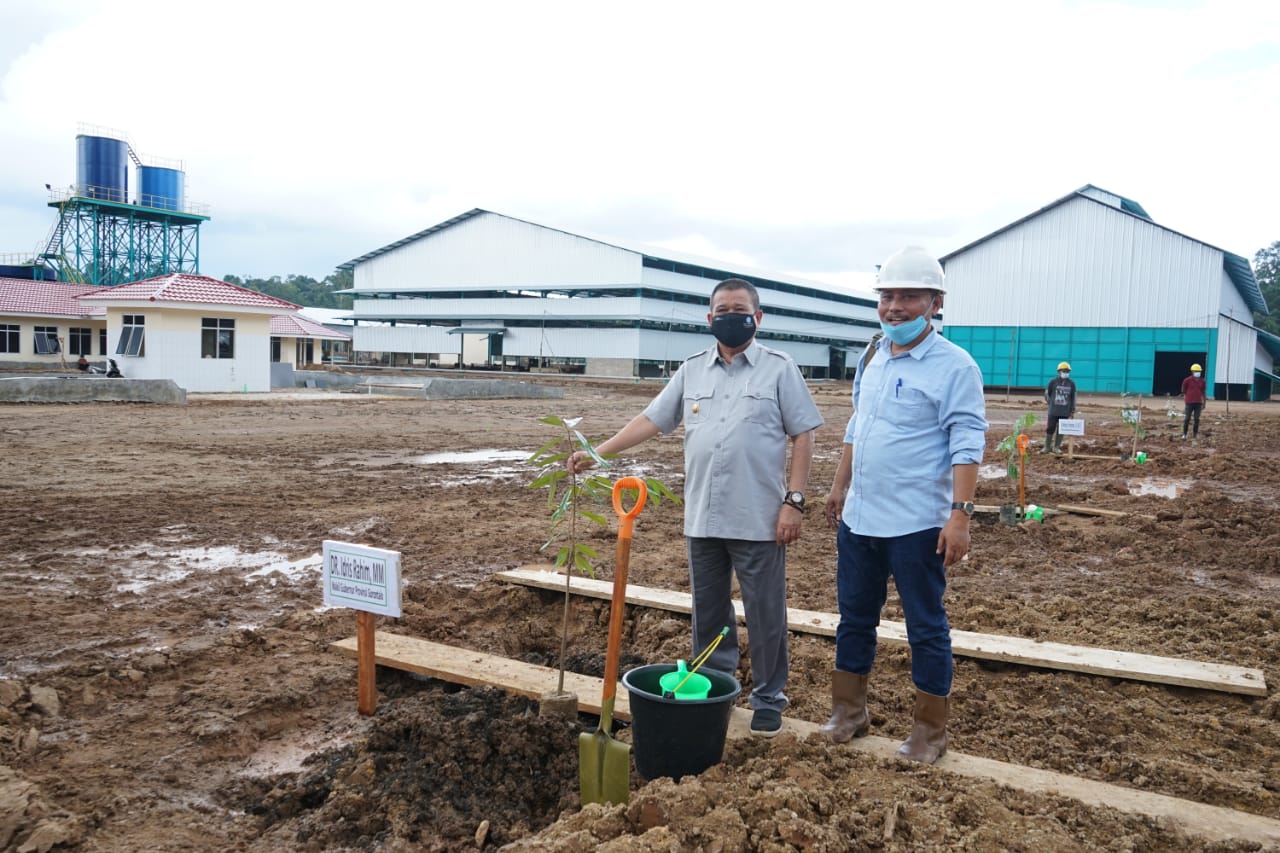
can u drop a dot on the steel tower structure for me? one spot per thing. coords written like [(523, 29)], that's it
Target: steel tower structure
[(102, 237)]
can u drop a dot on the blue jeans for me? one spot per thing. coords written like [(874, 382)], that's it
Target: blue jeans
[(863, 567)]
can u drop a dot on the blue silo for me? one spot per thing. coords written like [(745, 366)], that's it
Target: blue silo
[(160, 187), (102, 168)]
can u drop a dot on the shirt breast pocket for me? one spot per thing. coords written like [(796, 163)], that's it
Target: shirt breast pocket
[(762, 407), (907, 408), (697, 402)]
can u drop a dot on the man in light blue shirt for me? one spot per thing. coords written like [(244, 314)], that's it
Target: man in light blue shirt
[(741, 404), (902, 497)]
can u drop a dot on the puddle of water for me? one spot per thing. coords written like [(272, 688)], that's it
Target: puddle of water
[(1161, 486), (147, 568), (483, 460), (470, 457), (289, 755), (992, 472), (294, 571), (144, 583)]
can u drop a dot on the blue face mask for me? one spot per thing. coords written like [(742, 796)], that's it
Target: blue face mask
[(905, 333)]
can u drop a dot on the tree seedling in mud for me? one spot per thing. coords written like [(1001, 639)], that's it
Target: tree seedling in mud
[(572, 499), (1014, 448), (1131, 414)]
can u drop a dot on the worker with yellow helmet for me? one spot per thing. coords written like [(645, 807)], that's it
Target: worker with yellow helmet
[(1060, 394), (1193, 396)]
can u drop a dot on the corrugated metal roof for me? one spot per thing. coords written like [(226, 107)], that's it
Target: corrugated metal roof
[(1242, 277), (719, 269), (1236, 267), (1270, 342), (185, 287), (293, 326), (45, 298)]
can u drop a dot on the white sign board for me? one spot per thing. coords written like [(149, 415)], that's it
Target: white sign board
[(1071, 426), (1131, 416), (361, 577)]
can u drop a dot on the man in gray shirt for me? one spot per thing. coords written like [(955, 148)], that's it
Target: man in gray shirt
[(739, 402)]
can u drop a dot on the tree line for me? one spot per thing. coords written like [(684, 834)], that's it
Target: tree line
[(1266, 268), (302, 289)]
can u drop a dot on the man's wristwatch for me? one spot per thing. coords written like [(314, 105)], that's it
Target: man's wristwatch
[(965, 506), (794, 499)]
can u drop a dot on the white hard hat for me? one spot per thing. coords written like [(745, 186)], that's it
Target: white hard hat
[(912, 267)]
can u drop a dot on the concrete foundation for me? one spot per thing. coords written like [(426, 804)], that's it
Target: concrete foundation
[(89, 389), (431, 387)]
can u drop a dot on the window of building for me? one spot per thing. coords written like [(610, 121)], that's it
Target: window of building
[(130, 342), (275, 350), (9, 337), (102, 341), (46, 339), (217, 337), (81, 341)]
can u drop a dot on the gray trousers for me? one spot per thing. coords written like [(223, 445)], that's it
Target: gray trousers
[(761, 568)]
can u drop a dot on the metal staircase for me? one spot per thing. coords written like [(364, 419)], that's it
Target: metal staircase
[(51, 248)]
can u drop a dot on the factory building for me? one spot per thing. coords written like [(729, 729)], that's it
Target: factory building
[(488, 290), (1092, 280)]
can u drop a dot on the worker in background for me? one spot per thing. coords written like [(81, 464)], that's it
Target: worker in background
[(1193, 396), (901, 500), (741, 404), (1060, 394)]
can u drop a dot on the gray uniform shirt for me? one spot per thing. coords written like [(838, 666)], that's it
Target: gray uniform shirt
[(737, 418)]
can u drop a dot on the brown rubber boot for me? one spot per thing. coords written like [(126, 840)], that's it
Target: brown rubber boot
[(928, 740), (849, 717)]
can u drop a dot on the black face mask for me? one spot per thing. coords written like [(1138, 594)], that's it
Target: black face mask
[(733, 330)]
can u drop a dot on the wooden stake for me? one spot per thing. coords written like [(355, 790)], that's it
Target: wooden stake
[(366, 667)]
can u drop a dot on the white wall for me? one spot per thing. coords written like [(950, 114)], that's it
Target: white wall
[(172, 350), (1236, 355), (1085, 264), (26, 340), (493, 251)]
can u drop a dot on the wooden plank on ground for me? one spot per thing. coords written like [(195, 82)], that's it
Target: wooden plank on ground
[(1106, 513), (994, 508), (462, 666), (1093, 661)]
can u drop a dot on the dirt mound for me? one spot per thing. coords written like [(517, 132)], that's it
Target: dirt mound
[(439, 771)]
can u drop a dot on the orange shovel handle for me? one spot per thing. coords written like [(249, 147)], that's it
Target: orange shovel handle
[(622, 562)]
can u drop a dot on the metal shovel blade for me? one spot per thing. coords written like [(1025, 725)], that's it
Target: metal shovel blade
[(604, 768)]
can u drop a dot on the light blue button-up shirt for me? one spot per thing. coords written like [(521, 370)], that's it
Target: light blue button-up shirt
[(915, 415), (737, 418)]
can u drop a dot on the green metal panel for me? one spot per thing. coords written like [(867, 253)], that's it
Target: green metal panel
[(1103, 359)]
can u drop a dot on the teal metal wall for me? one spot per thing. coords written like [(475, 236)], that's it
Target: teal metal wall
[(1104, 360)]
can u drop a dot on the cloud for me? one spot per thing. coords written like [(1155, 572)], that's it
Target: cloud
[(815, 137)]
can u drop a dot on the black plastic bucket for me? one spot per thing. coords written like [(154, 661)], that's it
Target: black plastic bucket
[(678, 737)]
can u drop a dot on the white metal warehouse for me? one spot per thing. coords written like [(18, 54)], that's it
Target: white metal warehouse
[(1090, 279), (493, 290)]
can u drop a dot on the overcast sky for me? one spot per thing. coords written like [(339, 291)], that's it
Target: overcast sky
[(809, 138)]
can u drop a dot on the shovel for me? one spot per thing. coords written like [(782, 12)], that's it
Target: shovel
[(604, 764)]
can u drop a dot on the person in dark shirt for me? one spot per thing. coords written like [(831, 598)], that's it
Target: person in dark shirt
[(1060, 394)]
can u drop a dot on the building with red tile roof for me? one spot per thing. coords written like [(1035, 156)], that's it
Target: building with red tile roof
[(203, 333)]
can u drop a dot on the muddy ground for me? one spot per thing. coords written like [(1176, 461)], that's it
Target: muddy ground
[(166, 681)]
